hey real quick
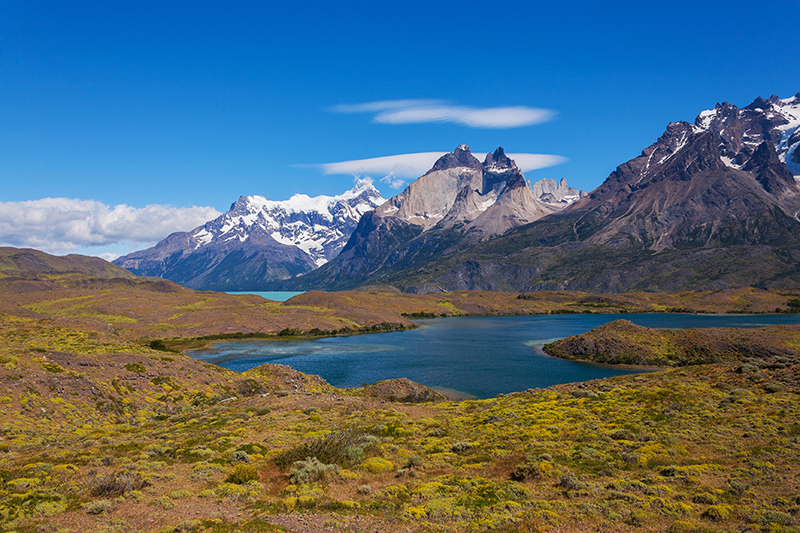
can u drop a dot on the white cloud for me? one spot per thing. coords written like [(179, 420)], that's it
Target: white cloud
[(383, 105), (396, 167), (402, 165), (393, 181), (61, 225), (426, 111), (528, 162)]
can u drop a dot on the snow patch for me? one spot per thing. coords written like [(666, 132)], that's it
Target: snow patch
[(704, 119), (497, 169), (729, 162), (313, 224)]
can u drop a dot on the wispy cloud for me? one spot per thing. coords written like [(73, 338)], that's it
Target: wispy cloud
[(528, 162), (398, 169), (401, 165), (428, 111), (61, 225), (384, 105), (393, 181)]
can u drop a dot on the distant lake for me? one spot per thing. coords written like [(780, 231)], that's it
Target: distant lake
[(280, 296), (479, 356)]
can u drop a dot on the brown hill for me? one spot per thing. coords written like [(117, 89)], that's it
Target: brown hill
[(622, 342)]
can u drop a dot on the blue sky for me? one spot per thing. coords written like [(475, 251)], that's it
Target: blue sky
[(185, 106)]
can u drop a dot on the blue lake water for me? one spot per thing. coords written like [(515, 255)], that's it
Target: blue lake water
[(479, 356), (280, 296)]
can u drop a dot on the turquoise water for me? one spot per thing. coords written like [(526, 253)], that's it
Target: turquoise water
[(280, 296), (480, 356)]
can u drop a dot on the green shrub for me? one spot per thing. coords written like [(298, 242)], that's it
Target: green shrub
[(240, 456), (355, 454), (705, 497), (570, 481), (52, 367), (772, 388), (311, 470), (623, 434), (717, 512), (525, 471), (117, 483), (250, 387), (135, 367), (415, 461), (98, 507), (334, 448), (777, 517), (159, 345), (241, 474), (376, 465), (460, 447)]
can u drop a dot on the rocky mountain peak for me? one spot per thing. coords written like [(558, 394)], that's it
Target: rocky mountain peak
[(761, 104), (741, 131), (461, 157), (499, 162)]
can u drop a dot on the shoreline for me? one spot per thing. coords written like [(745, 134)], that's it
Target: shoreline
[(539, 349)]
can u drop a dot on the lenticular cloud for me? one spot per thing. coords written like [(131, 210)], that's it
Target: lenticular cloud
[(416, 164), (60, 225), (428, 111)]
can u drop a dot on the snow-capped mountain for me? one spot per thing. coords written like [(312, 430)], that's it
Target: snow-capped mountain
[(320, 226), (741, 131), (258, 240)]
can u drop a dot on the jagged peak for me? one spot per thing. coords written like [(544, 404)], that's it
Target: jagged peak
[(460, 157), (499, 162)]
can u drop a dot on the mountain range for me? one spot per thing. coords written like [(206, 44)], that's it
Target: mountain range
[(709, 205), (259, 241)]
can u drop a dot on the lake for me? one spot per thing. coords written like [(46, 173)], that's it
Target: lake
[(479, 356), (280, 296)]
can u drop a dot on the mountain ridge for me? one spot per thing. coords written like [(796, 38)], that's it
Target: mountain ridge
[(458, 201), (257, 241), (712, 204)]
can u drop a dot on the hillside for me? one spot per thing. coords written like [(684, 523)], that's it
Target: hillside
[(27, 264), (98, 435)]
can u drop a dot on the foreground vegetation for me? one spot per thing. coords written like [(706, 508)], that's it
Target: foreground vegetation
[(103, 429), (101, 436)]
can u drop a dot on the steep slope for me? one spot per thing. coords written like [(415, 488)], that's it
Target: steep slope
[(458, 203), (257, 241)]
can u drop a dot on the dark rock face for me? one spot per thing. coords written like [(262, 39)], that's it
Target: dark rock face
[(769, 171), (461, 157), (707, 206)]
